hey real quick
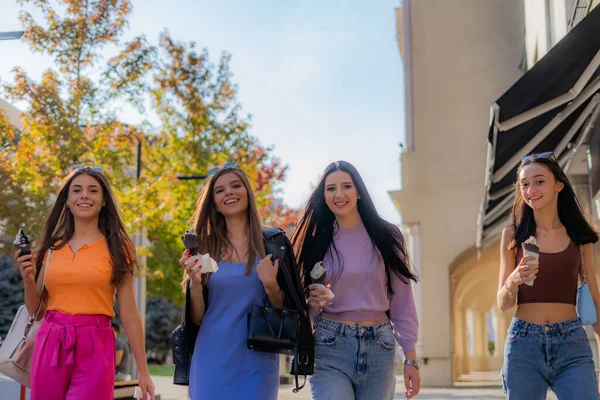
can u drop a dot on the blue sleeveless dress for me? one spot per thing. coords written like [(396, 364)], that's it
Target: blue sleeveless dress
[(222, 366)]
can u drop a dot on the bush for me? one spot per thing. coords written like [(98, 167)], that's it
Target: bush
[(162, 316), (11, 294)]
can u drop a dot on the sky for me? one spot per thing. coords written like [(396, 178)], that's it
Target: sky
[(322, 79)]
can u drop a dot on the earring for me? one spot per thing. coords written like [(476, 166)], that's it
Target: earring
[(67, 206)]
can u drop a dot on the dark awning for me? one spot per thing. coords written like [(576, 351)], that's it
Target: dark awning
[(551, 108)]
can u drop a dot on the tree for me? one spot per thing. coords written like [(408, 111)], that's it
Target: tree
[(72, 118)]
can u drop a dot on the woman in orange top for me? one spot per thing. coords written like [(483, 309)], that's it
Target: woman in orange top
[(91, 259)]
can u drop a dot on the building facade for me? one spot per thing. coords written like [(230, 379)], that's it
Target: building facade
[(457, 61)]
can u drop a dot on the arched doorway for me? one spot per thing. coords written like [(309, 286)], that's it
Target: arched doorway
[(478, 326)]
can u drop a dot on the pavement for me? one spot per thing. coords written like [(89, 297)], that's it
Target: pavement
[(9, 390), (168, 391)]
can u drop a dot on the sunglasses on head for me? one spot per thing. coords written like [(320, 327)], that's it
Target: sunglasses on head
[(80, 167), (230, 164), (532, 157)]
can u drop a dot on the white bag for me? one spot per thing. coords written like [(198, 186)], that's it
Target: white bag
[(17, 349)]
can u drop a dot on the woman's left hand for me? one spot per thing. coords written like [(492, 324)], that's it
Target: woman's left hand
[(267, 271), (147, 386), (412, 381)]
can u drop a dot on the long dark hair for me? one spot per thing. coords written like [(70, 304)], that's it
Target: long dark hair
[(569, 210), (60, 228), (210, 224), (313, 237)]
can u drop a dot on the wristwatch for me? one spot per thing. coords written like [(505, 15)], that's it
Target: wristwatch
[(414, 363)]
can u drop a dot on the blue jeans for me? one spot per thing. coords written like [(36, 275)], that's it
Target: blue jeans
[(353, 362), (556, 356)]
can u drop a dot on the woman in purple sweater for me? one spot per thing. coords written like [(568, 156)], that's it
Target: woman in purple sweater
[(367, 269)]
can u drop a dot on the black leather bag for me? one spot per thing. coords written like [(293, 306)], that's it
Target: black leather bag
[(182, 356), (183, 340), (273, 330)]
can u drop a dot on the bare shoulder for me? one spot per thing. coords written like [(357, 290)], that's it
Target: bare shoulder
[(508, 234), (587, 248)]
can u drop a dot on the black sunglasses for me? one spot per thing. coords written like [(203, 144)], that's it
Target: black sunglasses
[(532, 157), (79, 167), (230, 164)]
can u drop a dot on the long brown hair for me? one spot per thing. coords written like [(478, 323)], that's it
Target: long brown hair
[(60, 228), (570, 213), (313, 237), (211, 227)]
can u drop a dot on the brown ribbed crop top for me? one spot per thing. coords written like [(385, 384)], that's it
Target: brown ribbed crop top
[(556, 280)]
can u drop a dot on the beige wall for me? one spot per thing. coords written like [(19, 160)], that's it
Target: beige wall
[(13, 114), (459, 59)]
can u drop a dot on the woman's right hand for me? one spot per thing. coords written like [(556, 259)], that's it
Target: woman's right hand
[(319, 296), (26, 267), (523, 273), (187, 264)]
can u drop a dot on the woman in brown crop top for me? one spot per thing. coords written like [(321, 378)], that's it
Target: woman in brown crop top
[(546, 346)]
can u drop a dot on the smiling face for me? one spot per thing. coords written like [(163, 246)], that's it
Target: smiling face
[(86, 197), (230, 194), (538, 186), (341, 194)]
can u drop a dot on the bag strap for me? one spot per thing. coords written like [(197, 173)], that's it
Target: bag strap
[(582, 267), (295, 361), (39, 306)]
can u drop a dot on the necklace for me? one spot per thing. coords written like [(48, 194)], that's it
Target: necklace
[(550, 230)]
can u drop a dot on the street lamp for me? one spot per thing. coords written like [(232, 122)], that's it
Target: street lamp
[(11, 35), (191, 177)]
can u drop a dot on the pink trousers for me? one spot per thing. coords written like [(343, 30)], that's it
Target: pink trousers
[(74, 358)]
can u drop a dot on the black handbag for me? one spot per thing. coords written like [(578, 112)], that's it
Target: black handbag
[(183, 340), (273, 330)]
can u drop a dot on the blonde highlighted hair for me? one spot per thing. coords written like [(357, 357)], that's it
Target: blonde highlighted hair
[(211, 228)]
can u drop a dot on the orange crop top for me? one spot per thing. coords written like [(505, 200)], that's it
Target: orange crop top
[(556, 280), (80, 283)]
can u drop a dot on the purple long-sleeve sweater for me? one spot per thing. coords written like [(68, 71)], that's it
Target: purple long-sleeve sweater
[(361, 291)]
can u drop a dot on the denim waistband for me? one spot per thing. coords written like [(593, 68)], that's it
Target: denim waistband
[(350, 330), (546, 329)]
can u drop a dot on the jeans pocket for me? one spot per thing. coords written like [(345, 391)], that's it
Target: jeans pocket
[(513, 335), (386, 338), (323, 337), (578, 336)]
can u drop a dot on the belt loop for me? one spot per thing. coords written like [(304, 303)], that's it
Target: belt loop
[(341, 329)]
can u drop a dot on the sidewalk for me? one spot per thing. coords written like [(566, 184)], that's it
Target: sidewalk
[(168, 391)]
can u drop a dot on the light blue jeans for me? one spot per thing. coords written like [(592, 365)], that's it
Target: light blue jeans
[(353, 362), (556, 356)]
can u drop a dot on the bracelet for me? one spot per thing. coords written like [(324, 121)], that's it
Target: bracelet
[(195, 291), (511, 294)]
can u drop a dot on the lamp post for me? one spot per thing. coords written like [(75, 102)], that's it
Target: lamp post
[(191, 177), (11, 35), (15, 35)]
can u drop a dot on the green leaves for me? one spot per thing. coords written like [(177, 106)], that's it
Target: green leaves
[(70, 118)]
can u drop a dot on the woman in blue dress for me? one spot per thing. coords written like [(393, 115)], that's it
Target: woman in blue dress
[(229, 229)]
